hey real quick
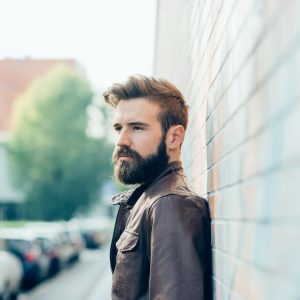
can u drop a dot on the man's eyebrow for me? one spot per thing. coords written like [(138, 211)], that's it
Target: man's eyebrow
[(132, 124), (138, 124)]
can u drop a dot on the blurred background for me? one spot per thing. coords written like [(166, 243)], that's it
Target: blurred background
[(238, 65), (56, 220)]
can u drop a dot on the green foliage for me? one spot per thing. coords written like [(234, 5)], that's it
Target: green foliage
[(12, 224), (59, 168)]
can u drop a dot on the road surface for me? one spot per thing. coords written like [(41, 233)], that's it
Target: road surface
[(88, 279)]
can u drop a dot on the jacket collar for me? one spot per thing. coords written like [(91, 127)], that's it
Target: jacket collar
[(123, 197)]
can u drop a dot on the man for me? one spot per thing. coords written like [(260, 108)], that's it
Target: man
[(161, 242)]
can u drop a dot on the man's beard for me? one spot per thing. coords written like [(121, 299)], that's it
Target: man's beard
[(139, 169)]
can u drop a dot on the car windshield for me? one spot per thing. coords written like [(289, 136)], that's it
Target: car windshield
[(18, 245)]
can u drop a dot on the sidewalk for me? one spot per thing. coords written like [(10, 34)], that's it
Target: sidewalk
[(102, 287)]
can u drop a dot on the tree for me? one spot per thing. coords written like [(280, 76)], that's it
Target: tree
[(58, 166)]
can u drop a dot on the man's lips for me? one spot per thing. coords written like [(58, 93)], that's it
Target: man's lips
[(124, 157)]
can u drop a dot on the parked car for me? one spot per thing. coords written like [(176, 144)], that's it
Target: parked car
[(95, 231), (11, 274), (26, 247), (57, 233), (50, 247), (76, 240), (60, 241), (90, 238)]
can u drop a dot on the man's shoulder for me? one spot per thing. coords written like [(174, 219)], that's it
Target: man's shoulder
[(181, 198), (172, 186), (180, 194)]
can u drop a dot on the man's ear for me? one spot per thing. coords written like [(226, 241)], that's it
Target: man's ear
[(175, 137)]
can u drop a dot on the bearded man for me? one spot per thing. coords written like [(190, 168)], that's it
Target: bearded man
[(161, 246)]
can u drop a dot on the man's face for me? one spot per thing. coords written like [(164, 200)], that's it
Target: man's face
[(140, 150)]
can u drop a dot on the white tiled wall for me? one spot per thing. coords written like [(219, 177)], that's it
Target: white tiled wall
[(238, 64)]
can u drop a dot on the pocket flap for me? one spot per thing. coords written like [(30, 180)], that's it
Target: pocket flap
[(127, 241)]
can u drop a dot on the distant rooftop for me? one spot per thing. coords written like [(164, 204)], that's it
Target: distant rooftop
[(16, 75)]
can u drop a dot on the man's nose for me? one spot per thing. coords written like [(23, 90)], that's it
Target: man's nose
[(123, 138)]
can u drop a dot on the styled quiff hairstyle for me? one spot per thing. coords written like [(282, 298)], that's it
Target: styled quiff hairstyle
[(174, 110)]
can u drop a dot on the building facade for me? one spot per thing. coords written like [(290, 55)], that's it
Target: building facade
[(238, 65)]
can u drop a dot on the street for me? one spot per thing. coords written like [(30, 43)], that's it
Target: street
[(87, 279)]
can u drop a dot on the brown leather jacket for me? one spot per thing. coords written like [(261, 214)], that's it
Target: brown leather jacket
[(163, 242)]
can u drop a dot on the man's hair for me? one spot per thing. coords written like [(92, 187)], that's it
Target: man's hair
[(174, 110)]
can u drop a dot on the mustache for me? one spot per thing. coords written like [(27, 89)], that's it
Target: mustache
[(124, 151)]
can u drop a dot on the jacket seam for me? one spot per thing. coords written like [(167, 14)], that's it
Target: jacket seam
[(182, 197)]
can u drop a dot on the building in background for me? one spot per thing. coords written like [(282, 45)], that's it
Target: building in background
[(15, 76), (238, 64)]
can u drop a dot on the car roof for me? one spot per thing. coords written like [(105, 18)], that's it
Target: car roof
[(16, 233)]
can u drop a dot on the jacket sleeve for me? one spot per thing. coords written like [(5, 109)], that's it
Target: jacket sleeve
[(179, 249)]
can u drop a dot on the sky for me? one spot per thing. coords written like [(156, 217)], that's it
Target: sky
[(111, 39)]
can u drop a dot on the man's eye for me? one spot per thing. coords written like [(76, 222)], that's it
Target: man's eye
[(138, 128), (118, 129)]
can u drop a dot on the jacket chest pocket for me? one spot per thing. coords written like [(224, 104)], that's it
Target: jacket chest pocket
[(128, 265), (128, 241)]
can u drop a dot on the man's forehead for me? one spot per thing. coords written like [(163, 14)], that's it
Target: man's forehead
[(133, 110)]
